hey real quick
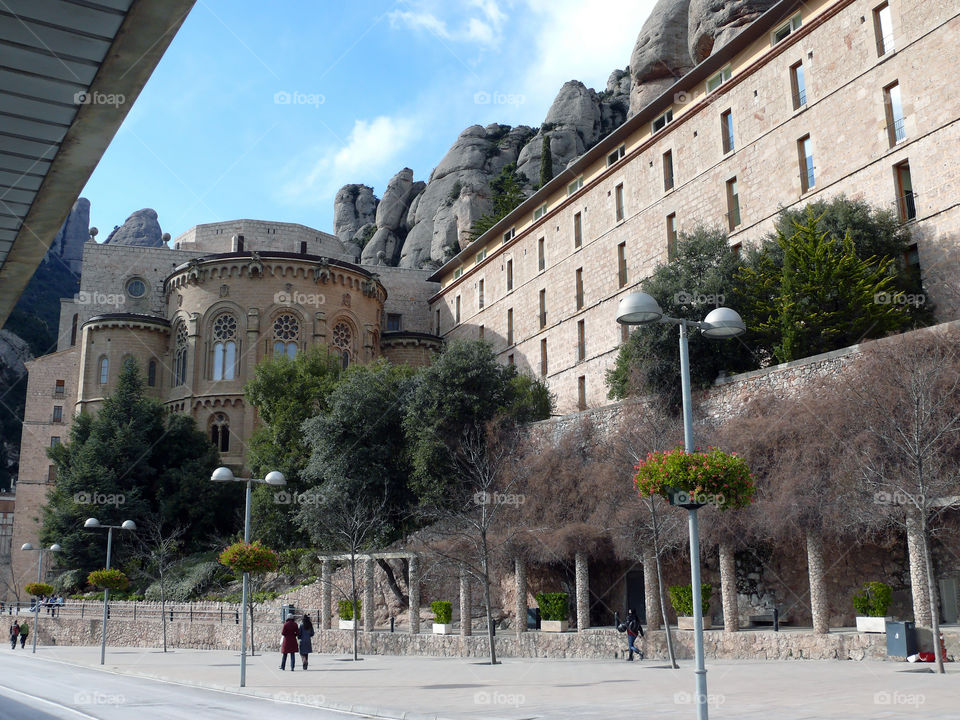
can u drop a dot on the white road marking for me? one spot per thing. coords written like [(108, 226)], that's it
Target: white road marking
[(49, 702)]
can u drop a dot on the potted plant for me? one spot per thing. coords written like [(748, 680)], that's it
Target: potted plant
[(871, 606), (347, 615), (442, 617), (681, 597), (110, 579), (554, 611)]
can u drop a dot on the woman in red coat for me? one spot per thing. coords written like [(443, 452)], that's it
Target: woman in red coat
[(288, 645)]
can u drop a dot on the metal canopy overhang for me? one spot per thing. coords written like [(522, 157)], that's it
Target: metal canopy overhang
[(64, 68)]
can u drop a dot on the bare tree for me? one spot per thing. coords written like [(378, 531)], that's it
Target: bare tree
[(905, 396), (158, 552)]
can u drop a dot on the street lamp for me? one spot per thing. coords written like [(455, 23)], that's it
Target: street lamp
[(36, 605), (720, 323), (225, 474), (94, 524)]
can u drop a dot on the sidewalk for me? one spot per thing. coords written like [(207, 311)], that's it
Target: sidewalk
[(464, 689)]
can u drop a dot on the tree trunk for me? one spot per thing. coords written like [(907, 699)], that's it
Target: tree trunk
[(728, 588), (485, 562), (819, 604), (392, 583), (934, 595), (651, 590), (918, 572), (582, 581), (663, 597)]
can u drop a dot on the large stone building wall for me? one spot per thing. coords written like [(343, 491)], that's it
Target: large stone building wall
[(844, 116)]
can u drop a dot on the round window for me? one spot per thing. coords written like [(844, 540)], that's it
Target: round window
[(136, 288)]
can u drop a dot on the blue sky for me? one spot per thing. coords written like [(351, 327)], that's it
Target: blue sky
[(263, 110)]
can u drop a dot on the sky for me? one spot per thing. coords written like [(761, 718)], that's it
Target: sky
[(264, 110)]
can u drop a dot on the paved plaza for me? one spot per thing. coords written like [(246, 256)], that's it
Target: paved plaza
[(460, 689)]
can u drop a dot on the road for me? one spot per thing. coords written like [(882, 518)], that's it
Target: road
[(33, 688)]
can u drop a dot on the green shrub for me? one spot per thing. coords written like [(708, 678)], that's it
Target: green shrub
[(36, 589), (681, 597), (190, 581), (442, 611), (553, 606), (69, 582), (874, 601), (345, 610)]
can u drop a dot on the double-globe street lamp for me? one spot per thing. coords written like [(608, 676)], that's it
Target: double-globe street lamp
[(225, 474), (36, 603), (720, 323), (94, 524)]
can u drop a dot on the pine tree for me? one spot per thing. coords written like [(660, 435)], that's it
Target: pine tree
[(546, 162)]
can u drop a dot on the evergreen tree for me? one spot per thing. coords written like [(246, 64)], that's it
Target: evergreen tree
[(507, 194), (546, 162)]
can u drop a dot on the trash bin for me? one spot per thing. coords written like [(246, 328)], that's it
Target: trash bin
[(533, 618), (286, 611), (901, 639)]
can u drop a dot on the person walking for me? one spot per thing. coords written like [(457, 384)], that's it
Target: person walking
[(306, 644), (634, 630), (14, 633), (288, 644), (24, 631)]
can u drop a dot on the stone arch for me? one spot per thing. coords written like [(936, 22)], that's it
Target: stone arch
[(345, 340), (286, 332), (218, 427)]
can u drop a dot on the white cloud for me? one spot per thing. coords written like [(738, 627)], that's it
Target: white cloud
[(478, 22), (372, 148)]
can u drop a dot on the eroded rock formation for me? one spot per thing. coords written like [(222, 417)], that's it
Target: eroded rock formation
[(141, 229)]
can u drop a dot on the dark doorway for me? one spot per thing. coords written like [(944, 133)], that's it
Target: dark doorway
[(635, 594)]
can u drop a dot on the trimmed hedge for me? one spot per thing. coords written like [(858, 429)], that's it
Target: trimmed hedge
[(554, 606), (681, 597), (442, 611)]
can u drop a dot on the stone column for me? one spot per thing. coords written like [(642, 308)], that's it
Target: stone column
[(728, 588), (918, 574), (819, 604), (520, 582), (651, 590), (325, 594), (466, 604), (413, 589), (582, 573), (368, 595)]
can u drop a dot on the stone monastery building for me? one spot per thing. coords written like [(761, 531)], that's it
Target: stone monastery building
[(811, 100)]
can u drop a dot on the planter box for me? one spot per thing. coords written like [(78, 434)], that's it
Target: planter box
[(872, 624), (347, 624), (442, 628), (554, 625), (685, 622)]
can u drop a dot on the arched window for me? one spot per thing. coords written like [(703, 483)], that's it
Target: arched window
[(104, 369), (220, 432), (224, 347), (152, 373), (180, 355), (343, 343), (73, 330), (286, 332)]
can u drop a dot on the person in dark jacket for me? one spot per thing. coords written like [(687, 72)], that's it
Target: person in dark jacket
[(24, 631), (306, 644), (288, 644), (14, 634), (634, 630)]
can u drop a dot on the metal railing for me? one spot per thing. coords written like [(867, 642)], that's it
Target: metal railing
[(175, 612)]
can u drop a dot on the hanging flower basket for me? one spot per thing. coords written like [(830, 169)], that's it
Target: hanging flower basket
[(36, 589), (250, 558), (695, 479), (109, 579)]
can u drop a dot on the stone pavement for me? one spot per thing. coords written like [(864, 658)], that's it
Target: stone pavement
[(465, 689)]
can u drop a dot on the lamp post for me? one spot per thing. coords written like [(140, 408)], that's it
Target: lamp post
[(224, 474), (36, 605), (94, 524), (720, 323)]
